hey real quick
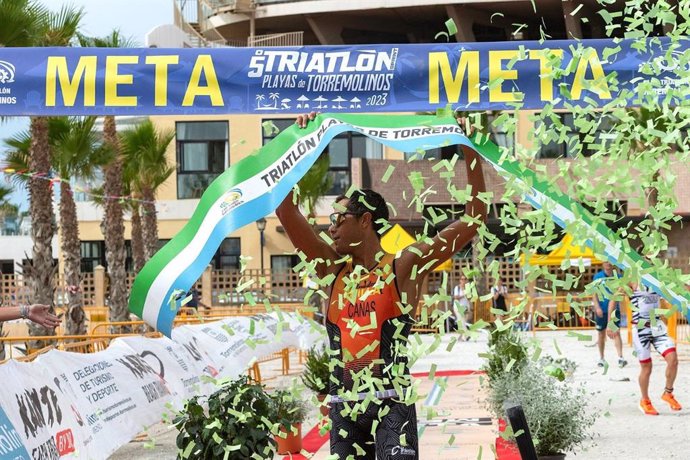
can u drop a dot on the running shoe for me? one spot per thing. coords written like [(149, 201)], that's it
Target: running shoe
[(668, 397), (622, 362), (601, 363), (647, 408)]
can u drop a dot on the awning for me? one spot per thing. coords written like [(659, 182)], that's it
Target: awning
[(567, 250), (397, 239)]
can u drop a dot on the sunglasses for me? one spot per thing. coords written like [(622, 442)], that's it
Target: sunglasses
[(337, 217)]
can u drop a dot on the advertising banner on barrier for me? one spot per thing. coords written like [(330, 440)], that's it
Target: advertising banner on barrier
[(363, 78), (72, 405), (49, 423)]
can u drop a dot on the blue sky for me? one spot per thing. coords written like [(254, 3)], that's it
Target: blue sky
[(134, 18)]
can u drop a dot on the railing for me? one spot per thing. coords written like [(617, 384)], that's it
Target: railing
[(282, 39)]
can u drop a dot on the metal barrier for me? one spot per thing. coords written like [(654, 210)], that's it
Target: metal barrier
[(59, 342), (571, 312)]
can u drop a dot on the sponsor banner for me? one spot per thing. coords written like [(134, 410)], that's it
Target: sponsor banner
[(72, 405), (119, 392), (362, 78), (48, 423)]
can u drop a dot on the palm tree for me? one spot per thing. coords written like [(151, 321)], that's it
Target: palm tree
[(314, 185), (53, 29), (146, 164), (76, 155), (73, 142), (22, 22), (113, 221)]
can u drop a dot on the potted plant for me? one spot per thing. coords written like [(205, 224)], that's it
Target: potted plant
[(556, 411), (288, 412), (235, 425), (507, 354), (316, 375)]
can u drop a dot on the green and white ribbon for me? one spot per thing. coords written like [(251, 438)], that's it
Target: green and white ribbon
[(256, 185)]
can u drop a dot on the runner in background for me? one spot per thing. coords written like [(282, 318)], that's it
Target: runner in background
[(649, 329), (607, 312)]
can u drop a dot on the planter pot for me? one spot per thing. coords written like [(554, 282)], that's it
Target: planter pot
[(291, 443), (323, 407), (552, 457)]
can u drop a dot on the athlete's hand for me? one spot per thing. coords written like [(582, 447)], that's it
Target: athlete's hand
[(466, 126), (302, 120), (610, 334), (599, 312)]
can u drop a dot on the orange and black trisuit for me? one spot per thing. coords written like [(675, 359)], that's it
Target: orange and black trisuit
[(368, 329)]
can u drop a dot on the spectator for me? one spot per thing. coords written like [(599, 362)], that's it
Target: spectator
[(499, 293)]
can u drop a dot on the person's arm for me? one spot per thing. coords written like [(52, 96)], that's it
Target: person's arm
[(456, 235), (597, 309), (302, 235), (39, 314)]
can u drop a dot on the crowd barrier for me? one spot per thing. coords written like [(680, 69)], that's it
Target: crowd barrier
[(67, 405)]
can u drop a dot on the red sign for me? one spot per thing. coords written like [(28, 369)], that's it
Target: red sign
[(65, 442)]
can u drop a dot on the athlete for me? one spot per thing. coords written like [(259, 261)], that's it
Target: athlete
[(370, 313), (607, 311), (649, 329)]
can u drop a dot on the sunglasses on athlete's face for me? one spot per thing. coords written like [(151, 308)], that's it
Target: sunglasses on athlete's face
[(338, 217)]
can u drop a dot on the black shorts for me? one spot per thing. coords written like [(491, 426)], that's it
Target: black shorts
[(394, 437)]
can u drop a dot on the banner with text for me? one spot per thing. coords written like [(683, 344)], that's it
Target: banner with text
[(71, 405), (363, 78)]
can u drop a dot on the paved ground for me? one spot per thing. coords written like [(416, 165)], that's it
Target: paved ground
[(623, 432)]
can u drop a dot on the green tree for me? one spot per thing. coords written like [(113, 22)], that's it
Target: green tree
[(314, 185), (113, 226), (39, 27), (76, 154), (146, 165)]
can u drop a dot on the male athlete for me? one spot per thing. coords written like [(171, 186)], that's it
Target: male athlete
[(648, 330), (370, 313)]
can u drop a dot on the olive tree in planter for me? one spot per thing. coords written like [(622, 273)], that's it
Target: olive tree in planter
[(556, 411), (235, 426), (316, 375), (288, 413)]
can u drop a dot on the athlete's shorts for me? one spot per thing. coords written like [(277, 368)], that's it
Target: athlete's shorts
[(603, 322), (395, 436), (643, 340)]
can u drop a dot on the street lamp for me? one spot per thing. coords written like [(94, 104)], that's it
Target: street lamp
[(261, 226)]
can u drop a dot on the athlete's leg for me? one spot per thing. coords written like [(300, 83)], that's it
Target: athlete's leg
[(601, 342), (396, 435), (671, 368), (645, 373), (351, 438)]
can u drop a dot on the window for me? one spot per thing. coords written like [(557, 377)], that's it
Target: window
[(202, 150), (6, 267), (92, 255), (284, 262), (228, 254), (341, 150), (556, 149), (588, 132)]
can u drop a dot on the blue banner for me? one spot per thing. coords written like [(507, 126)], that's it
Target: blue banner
[(364, 78)]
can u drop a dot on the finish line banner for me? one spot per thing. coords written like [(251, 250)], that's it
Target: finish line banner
[(365, 78)]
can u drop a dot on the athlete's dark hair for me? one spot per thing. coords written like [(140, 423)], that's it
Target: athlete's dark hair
[(366, 200)]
